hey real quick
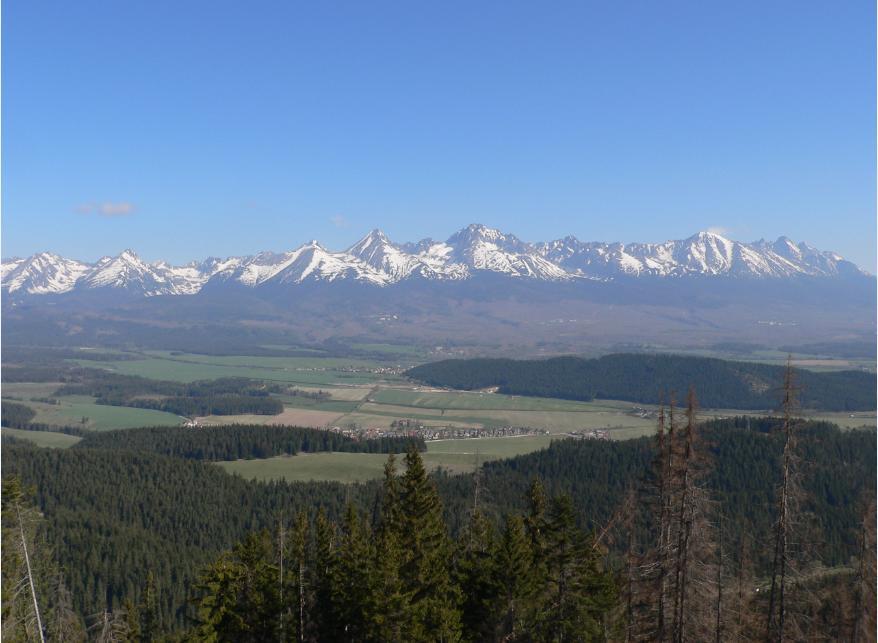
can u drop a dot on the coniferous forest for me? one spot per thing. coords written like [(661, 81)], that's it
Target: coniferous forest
[(676, 537), (722, 384)]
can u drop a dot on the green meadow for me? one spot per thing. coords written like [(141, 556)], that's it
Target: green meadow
[(72, 409), (48, 439), (455, 456)]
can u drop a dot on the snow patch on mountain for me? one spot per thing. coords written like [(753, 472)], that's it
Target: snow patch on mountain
[(476, 249)]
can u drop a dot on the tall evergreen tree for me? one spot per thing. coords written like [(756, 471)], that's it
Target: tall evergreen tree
[(391, 599), (433, 608), (323, 578), (476, 577), (353, 588), (239, 594), (579, 594), (514, 581)]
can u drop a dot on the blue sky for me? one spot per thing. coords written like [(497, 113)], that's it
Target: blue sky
[(188, 129)]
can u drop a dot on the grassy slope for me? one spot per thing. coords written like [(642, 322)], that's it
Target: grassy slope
[(100, 417), (457, 456), (43, 438)]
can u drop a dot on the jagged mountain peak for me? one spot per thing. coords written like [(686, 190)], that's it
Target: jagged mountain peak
[(374, 241), (476, 232), (475, 249)]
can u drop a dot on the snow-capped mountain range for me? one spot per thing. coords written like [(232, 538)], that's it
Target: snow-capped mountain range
[(474, 250)]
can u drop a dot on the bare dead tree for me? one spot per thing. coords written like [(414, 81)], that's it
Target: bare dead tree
[(63, 622), (683, 519), (777, 621), (693, 548), (719, 584), (864, 624), (299, 551), (19, 612), (110, 627), (281, 532), (737, 625), (664, 464)]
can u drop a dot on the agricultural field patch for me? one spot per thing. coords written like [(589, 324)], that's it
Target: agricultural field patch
[(289, 417), (354, 394), (28, 390), (490, 448), (189, 371), (341, 467), (454, 456), (377, 420), (270, 363), (71, 411), (48, 439), (473, 400), (329, 405)]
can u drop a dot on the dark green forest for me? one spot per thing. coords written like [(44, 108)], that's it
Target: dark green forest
[(114, 517), (239, 441), (649, 379)]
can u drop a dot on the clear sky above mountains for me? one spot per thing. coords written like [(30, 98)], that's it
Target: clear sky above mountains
[(187, 129)]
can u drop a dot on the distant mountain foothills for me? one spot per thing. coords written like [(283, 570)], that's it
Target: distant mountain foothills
[(475, 250), (651, 379)]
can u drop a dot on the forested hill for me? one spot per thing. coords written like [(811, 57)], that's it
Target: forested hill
[(239, 441), (178, 514), (649, 379)]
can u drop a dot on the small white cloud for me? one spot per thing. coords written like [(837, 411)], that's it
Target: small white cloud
[(720, 230), (339, 221), (107, 208)]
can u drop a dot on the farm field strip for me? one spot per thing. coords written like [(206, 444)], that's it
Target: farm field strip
[(72, 409), (468, 400), (27, 390), (50, 439), (164, 369), (455, 456), (269, 363), (302, 402)]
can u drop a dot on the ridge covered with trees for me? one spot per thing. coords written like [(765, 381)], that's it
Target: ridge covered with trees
[(644, 378), (108, 547), (239, 441)]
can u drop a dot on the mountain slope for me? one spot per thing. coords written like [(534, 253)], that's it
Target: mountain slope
[(471, 252)]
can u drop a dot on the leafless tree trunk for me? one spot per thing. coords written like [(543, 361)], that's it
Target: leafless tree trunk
[(864, 624), (281, 552), (30, 576), (777, 601), (719, 584)]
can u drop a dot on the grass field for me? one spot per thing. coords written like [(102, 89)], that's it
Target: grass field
[(352, 394), (466, 400), (330, 405), (290, 417), (365, 398), (27, 390), (313, 371), (72, 409), (455, 456), (43, 438)]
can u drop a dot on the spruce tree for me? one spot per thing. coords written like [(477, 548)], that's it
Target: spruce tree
[(433, 605), (514, 581), (476, 578), (239, 598), (323, 578), (579, 594), (391, 600), (352, 586)]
